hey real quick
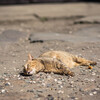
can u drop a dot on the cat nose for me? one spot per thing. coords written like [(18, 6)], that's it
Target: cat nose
[(28, 72)]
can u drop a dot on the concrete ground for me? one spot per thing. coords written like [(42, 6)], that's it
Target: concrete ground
[(71, 27)]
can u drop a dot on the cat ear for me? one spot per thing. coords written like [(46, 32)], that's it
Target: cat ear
[(30, 57)]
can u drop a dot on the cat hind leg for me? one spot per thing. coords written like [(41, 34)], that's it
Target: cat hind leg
[(84, 62)]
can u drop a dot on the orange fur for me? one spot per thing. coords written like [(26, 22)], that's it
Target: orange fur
[(55, 61)]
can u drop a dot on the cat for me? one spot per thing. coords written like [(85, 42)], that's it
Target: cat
[(59, 62)]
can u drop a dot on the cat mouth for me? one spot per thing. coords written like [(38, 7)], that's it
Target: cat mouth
[(32, 72), (29, 73), (25, 73)]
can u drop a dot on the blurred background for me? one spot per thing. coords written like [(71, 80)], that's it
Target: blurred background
[(40, 1), (63, 16)]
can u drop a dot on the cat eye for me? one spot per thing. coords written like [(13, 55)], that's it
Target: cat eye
[(27, 65)]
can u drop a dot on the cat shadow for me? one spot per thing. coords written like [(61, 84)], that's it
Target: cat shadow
[(22, 74)]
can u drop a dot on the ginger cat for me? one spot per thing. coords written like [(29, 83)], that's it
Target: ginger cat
[(59, 62)]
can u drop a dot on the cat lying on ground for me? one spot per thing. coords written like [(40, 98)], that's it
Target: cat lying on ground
[(59, 62)]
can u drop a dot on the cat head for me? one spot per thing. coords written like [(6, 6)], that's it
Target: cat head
[(30, 67)]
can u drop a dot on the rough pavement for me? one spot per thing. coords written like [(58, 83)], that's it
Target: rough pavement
[(18, 23), (89, 34)]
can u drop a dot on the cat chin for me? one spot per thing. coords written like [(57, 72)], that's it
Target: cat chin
[(33, 71)]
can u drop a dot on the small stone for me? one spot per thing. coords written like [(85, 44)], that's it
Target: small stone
[(48, 85), (74, 98), (83, 48), (5, 73), (18, 75), (68, 96), (6, 79), (43, 84), (72, 82), (15, 75), (93, 73), (98, 76), (98, 86), (40, 91), (24, 60), (72, 86), (55, 80), (5, 68), (63, 80), (32, 78), (19, 78), (83, 94), (59, 82), (95, 92), (51, 49), (49, 77), (41, 74), (91, 94), (14, 61), (92, 80), (37, 96), (7, 84), (1, 79), (81, 90), (97, 89), (60, 91), (27, 81), (33, 81), (30, 90), (3, 91), (70, 32), (49, 97), (17, 69), (1, 87), (61, 86), (86, 79), (21, 90)]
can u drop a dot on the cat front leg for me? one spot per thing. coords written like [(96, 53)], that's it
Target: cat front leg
[(65, 70), (68, 72)]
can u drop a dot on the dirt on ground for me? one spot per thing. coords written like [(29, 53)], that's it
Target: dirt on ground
[(70, 27)]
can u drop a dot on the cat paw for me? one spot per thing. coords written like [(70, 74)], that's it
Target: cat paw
[(93, 63), (90, 67), (72, 74)]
